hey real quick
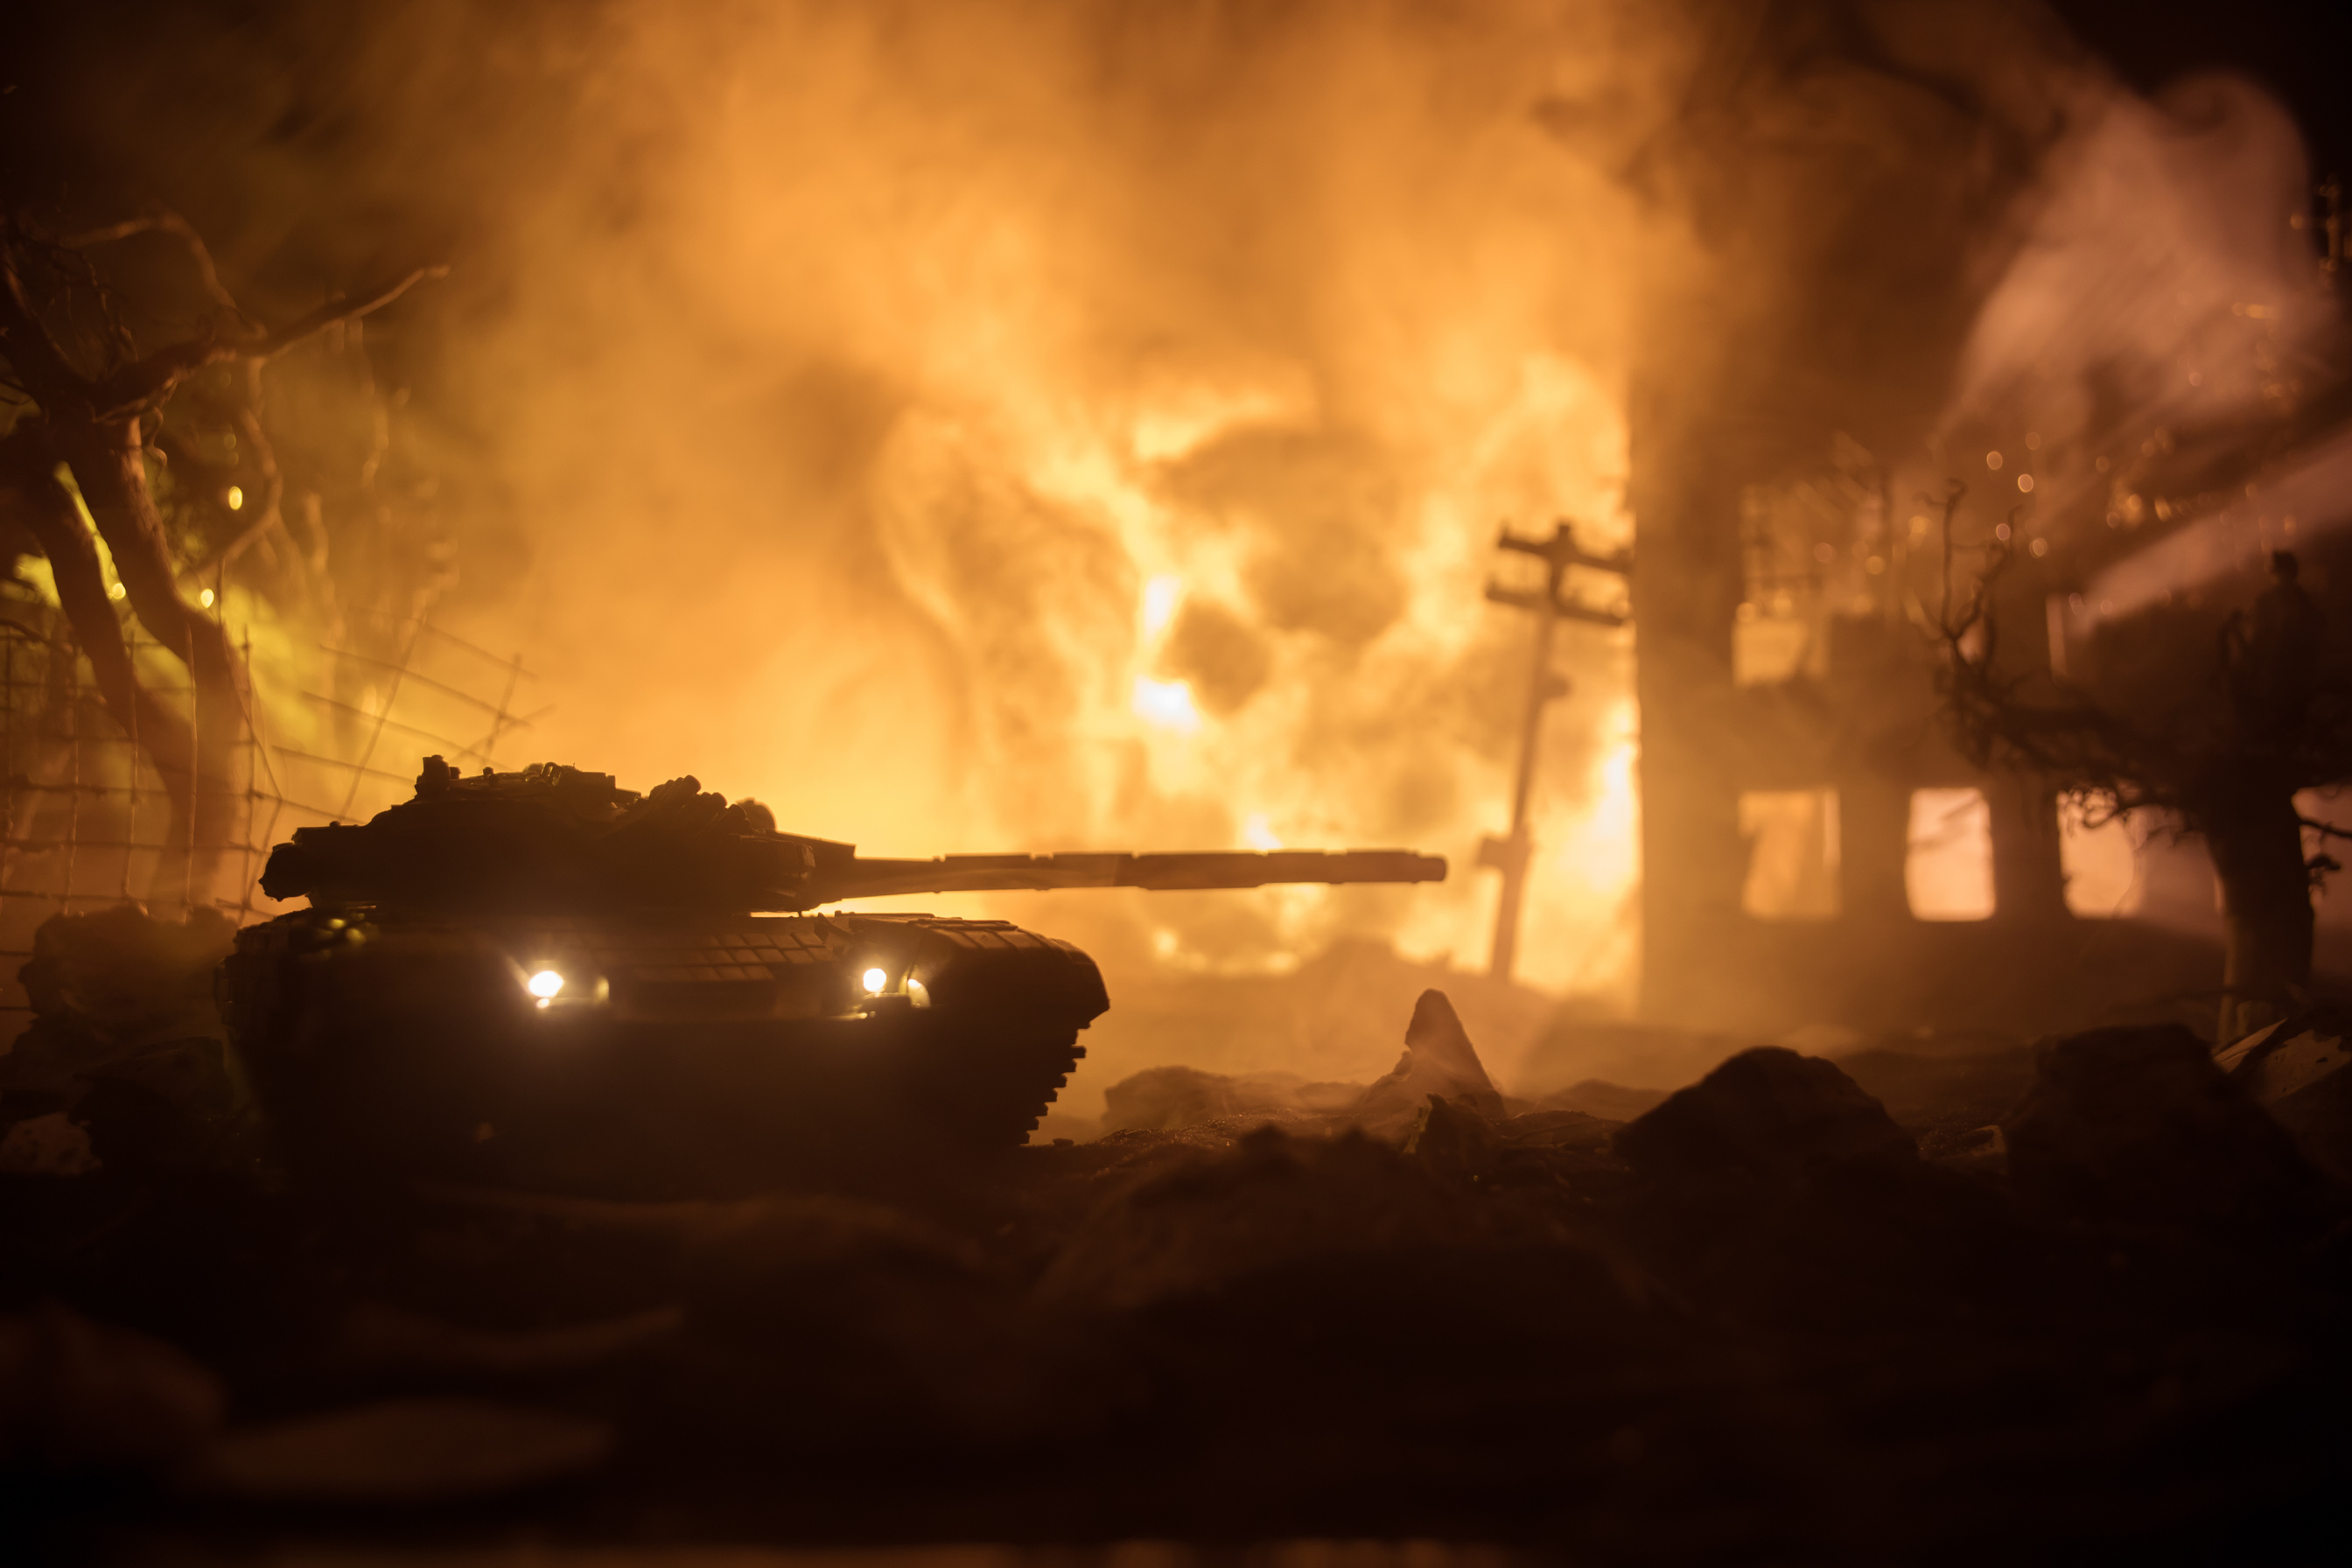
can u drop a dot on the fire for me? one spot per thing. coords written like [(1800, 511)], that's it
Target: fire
[(971, 455), (1166, 703)]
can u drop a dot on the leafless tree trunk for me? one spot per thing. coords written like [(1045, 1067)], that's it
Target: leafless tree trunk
[(2267, 717), (96, 424), (2257, 846)]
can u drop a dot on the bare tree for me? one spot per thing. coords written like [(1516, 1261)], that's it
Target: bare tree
[(2218, 729), (89, 406)]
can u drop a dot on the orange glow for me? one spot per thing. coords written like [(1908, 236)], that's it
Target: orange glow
[(1949, 873), (970, 456)]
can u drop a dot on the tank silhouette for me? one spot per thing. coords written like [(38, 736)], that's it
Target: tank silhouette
[(540, 978)]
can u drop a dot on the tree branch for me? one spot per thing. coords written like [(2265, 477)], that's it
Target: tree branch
[(147, 382), (2066, 739), (163, 220), (30, 488), (49, 376), (333, 312)]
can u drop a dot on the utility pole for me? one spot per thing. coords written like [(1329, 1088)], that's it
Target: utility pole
[(1510, 855)]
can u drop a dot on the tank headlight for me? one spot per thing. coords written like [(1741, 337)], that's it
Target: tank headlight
[(544, 984), (875, 979)]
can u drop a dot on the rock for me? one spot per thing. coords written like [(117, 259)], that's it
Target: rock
[(377, 1335), (48, 1145), (2137, 1124), (107, 983), (1942, 1091), (757, 1262), (1607, 1101), (1160, 1098), (1767, 1115), (2297, 1070), (125, 1040), (171, 1109), (827, 1325), (1560, 1129), (1980, 1151), (408, 1450), (1438, 1060), (1455, 1140), (76, 1394), (1194, 1226)]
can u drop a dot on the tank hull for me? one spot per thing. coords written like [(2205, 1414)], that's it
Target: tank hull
[(671, 1056)]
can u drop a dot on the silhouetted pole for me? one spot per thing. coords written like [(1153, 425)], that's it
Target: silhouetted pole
[(1510, 855)]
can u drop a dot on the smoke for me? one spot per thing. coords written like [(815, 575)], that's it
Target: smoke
[(1084, 424), (2165, 301), (1039, 427)]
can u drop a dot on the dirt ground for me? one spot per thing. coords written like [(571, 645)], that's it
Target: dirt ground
[(1755, 1322)]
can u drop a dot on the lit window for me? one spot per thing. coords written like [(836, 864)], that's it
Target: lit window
[(1769, 649), (1948, 874), (2102, 863), (1792, 854)]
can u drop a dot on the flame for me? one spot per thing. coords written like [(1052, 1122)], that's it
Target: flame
[(1166, 703), (1037, 464), (1160, 596)]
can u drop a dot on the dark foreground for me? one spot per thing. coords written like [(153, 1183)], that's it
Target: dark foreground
[(1758, 1323)]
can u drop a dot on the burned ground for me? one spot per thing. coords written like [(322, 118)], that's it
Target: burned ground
[(1755, 1323)]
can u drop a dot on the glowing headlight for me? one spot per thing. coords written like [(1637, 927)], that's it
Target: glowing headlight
[(875, 980), (544, 984)]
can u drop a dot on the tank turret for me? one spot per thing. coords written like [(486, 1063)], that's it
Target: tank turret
[(556, 840), (540, 977)]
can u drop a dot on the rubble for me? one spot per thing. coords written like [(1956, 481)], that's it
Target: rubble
[(1451, 1137), (1766, 1115), (1438, 1060), (2137, 1124), (1168, 1096), (124, 1064), (1752, 1323), (1609, 1102), (824, 1324), (115, 981), (1943, 1090), (2296, 1070), (47, 1145), (1200, 1224), (406, 1451), (378, 1337), (77, 1395)]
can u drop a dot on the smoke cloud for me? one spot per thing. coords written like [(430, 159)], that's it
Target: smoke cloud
[(1073, 427), (1078, 425)]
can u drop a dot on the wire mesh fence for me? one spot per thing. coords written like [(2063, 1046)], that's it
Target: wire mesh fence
[(89, 821)]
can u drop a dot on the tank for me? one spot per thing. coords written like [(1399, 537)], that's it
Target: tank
[(542, 978)]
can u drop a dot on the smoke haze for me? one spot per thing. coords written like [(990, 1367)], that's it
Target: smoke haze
[(1063, 426), (1055, 427)]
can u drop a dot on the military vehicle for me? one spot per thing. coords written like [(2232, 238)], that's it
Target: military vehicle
[(542, 978)]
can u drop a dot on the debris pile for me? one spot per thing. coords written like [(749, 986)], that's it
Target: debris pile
[(2300, 1070), (125, 1059), (1752, 1320)]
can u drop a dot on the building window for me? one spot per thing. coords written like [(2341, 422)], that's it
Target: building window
[(1812, 550), (2102, 863), (1792, 854), (1948, 872)]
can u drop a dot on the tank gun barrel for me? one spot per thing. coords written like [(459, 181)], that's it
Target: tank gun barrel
[(863, 878)]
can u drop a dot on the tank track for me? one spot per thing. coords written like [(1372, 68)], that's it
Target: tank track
[(702, 1055)]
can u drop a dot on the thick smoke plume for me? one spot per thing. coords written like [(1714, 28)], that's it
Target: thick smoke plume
[(1050, 427), (1084, 425)]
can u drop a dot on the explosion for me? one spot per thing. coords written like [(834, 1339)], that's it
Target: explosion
[(1050, 429)]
